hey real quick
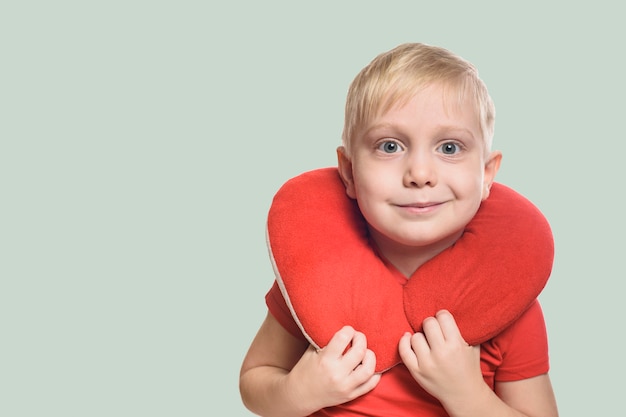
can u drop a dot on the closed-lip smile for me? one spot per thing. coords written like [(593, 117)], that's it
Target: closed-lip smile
[(425, 207), (419, 205)]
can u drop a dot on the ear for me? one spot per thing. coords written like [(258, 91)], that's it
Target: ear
[(345, 171), (492, 165)]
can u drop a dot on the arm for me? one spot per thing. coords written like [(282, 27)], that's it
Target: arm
[(449, 369), (262, 379), (284, 376), (532, 396)]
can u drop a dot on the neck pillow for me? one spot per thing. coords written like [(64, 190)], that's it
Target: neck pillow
[(330, 275)]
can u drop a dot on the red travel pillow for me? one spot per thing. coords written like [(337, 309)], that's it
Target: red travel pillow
[(330, 276)]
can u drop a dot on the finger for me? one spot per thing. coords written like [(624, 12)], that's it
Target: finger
[(366, 368), (356, 352), (449, 328), (420, 346), (406, 351), (364, 376), (432, 330), (340, 341)]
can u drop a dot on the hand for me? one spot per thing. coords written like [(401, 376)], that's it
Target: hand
[(340, 372), (441, 361)]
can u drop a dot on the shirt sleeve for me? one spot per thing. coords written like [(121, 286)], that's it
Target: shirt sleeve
[(280, 311), (524, 347)]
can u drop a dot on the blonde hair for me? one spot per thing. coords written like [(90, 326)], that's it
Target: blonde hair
[(395, 76)]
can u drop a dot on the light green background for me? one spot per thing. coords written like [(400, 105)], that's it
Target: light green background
[(142, 142)]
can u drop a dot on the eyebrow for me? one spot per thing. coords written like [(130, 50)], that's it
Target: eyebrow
[(456, 129), (442, 127), (378, 126)]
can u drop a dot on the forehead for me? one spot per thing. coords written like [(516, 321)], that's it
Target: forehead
[(444, 101)]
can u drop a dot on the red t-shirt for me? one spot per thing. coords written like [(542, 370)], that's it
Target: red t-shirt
[(519, 352)]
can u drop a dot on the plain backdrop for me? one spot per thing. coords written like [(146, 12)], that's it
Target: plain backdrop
[(142, 143)]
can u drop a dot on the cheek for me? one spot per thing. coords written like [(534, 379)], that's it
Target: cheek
[(470, 179), (370, 184)]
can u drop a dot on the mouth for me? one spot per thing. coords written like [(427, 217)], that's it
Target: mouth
[(419, 205), (420, 208)]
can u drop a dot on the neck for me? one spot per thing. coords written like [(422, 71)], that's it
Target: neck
[(407, 259)]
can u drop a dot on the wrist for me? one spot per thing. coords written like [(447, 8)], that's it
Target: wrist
[(298, 396), (470, 403)]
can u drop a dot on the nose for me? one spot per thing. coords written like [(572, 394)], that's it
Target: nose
[(420, 171)]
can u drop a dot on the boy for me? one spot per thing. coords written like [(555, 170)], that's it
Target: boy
[(416, 157)]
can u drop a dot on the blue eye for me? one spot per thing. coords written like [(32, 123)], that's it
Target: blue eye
[(389, 147), (450, 148)]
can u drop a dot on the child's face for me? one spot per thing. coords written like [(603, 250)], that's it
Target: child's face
[(419, 173)]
